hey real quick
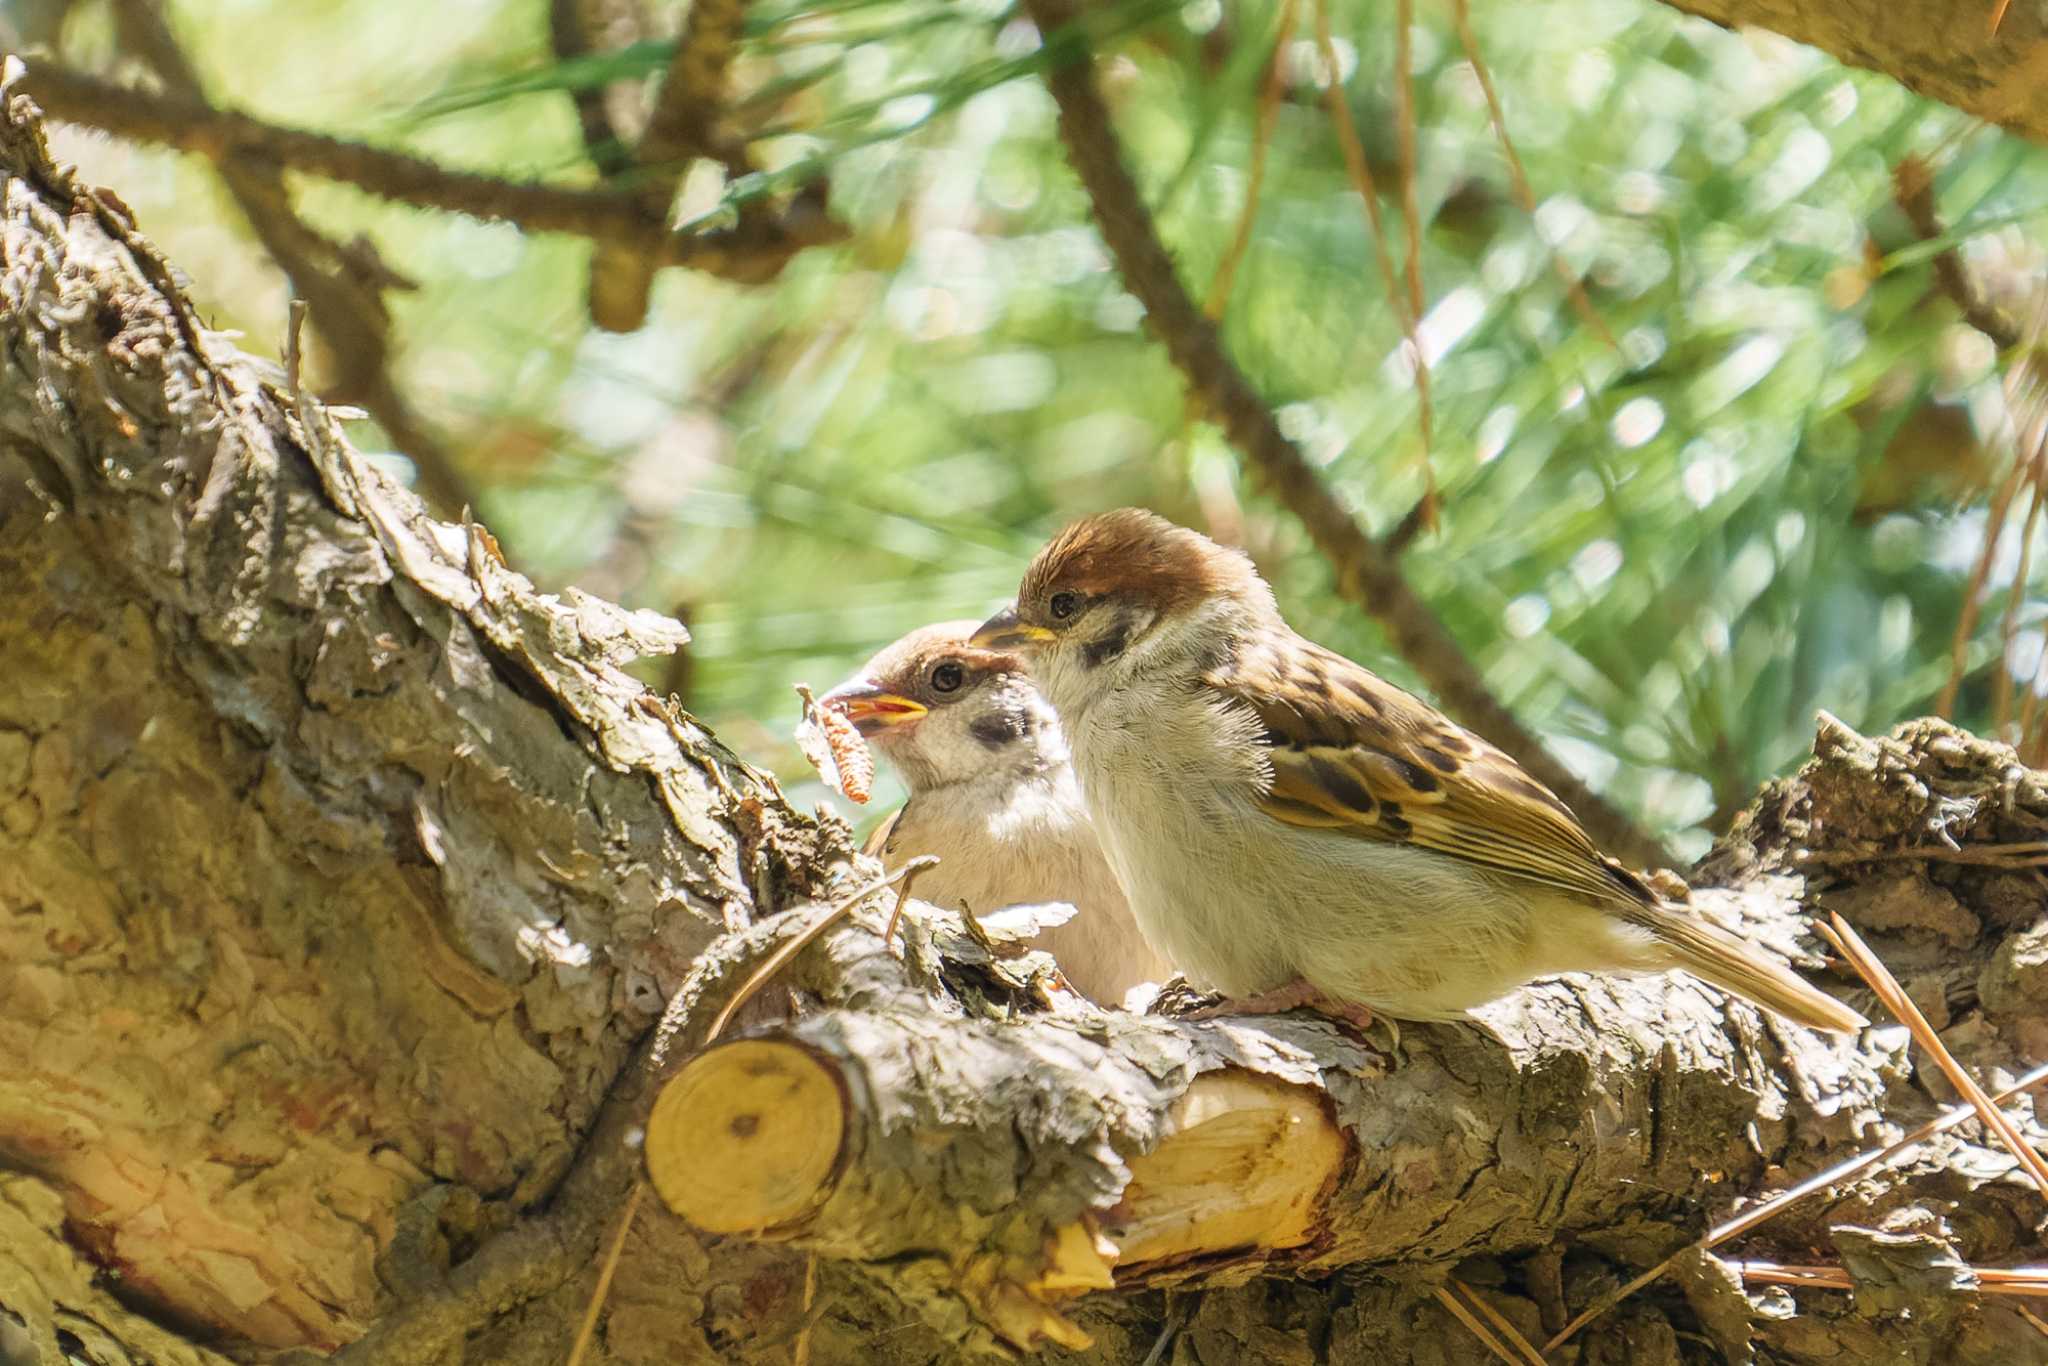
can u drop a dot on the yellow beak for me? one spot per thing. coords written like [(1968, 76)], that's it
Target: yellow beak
[(1006, 631), (871, 707)]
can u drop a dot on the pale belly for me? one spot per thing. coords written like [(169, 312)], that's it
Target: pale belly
[(1243, 904)]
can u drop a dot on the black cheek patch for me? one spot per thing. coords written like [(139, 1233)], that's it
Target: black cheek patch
[(1097, 653), (1000, 728)]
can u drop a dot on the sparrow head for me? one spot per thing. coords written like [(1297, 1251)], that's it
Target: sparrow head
[(1123, 588), (946, 711)]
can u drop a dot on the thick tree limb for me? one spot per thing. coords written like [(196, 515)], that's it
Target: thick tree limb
[(1367, 573), (1138, 1151), (340, 870), (408, 857)]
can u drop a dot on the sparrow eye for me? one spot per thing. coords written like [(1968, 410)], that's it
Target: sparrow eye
[(1064, 605), (948, 677)]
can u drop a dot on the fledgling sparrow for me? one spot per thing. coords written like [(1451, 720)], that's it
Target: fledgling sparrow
[(1291, 829), (993, 794)]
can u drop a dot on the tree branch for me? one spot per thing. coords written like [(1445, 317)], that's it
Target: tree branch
[(682, 126), (345, 299), (749, 252), (601, 140), (1367, 574)]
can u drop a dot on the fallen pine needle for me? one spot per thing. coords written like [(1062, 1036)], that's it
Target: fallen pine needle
[(1479, 1330), (1508, 1332), (1894, 998), (588, 1328), (779, 959), (1991, 1280), (1759, 1213)]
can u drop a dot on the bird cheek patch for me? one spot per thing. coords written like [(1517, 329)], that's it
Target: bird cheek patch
[(1000, 728), (1099, 652)]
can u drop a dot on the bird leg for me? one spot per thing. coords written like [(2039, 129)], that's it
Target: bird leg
[(1293, 996)]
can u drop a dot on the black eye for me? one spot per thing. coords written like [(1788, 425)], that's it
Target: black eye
[(948, 677), (1064, 605)]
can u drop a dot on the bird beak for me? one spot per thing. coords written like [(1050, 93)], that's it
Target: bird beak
[(871, 707), (1007, 631)]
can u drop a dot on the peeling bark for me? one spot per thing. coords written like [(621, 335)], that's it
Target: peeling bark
[(341, 872)]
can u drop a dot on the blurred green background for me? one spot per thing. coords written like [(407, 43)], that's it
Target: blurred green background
[(1665, 554)]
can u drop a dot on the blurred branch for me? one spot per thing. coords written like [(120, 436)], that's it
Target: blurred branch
[(1913, 191), (683, 126), (570, 39), (1366, 574), (344, 290), (748, 253)]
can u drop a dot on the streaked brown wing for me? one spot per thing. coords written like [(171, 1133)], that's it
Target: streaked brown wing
[(1354, 754)]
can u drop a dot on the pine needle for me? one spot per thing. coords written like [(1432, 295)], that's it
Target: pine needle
[(1768, 1209), (1255, 177), (1894, 999), (1479, 1330)]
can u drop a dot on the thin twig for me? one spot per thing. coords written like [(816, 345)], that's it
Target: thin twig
[(1423, 514), (1966, 617), (1991, 1280), (1479, 1330), (1913, 192), (800, 1354), (1411, 216), (903, 899), (1255, 177), (1360, 171), (1845, 939), (1768, 1209), (1518, 176), (751, 251), (1366, 576), (588, 1328), (790, 948), (601, 141), (2027, 854), (2001, 689)]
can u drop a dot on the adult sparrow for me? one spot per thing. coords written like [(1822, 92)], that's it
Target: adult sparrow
[(1292, 829), (993, 794)]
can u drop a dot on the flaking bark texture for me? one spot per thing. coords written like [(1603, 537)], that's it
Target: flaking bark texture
[(340, 871)]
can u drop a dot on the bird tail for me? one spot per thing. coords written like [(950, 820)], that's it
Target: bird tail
[(1712, 954)]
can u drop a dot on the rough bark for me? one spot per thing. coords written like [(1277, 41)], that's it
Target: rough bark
[(340, 872)]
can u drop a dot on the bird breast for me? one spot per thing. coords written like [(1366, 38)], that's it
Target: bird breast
[(1245, 904)]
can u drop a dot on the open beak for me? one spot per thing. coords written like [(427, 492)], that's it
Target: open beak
[(871, 707), (1005, 631)]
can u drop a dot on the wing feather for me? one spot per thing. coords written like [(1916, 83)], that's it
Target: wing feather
[(1353, 754)]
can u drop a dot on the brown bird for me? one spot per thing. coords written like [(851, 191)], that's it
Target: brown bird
[(1292, 829), (992, 793)]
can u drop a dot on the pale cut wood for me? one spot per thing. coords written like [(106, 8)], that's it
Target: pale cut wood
[(748, 1137)]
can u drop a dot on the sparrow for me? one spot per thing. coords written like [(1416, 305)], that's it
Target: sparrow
[(994, 795), (1290, 829)]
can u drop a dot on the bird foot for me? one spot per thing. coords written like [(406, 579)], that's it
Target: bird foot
[(1293, 996)]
